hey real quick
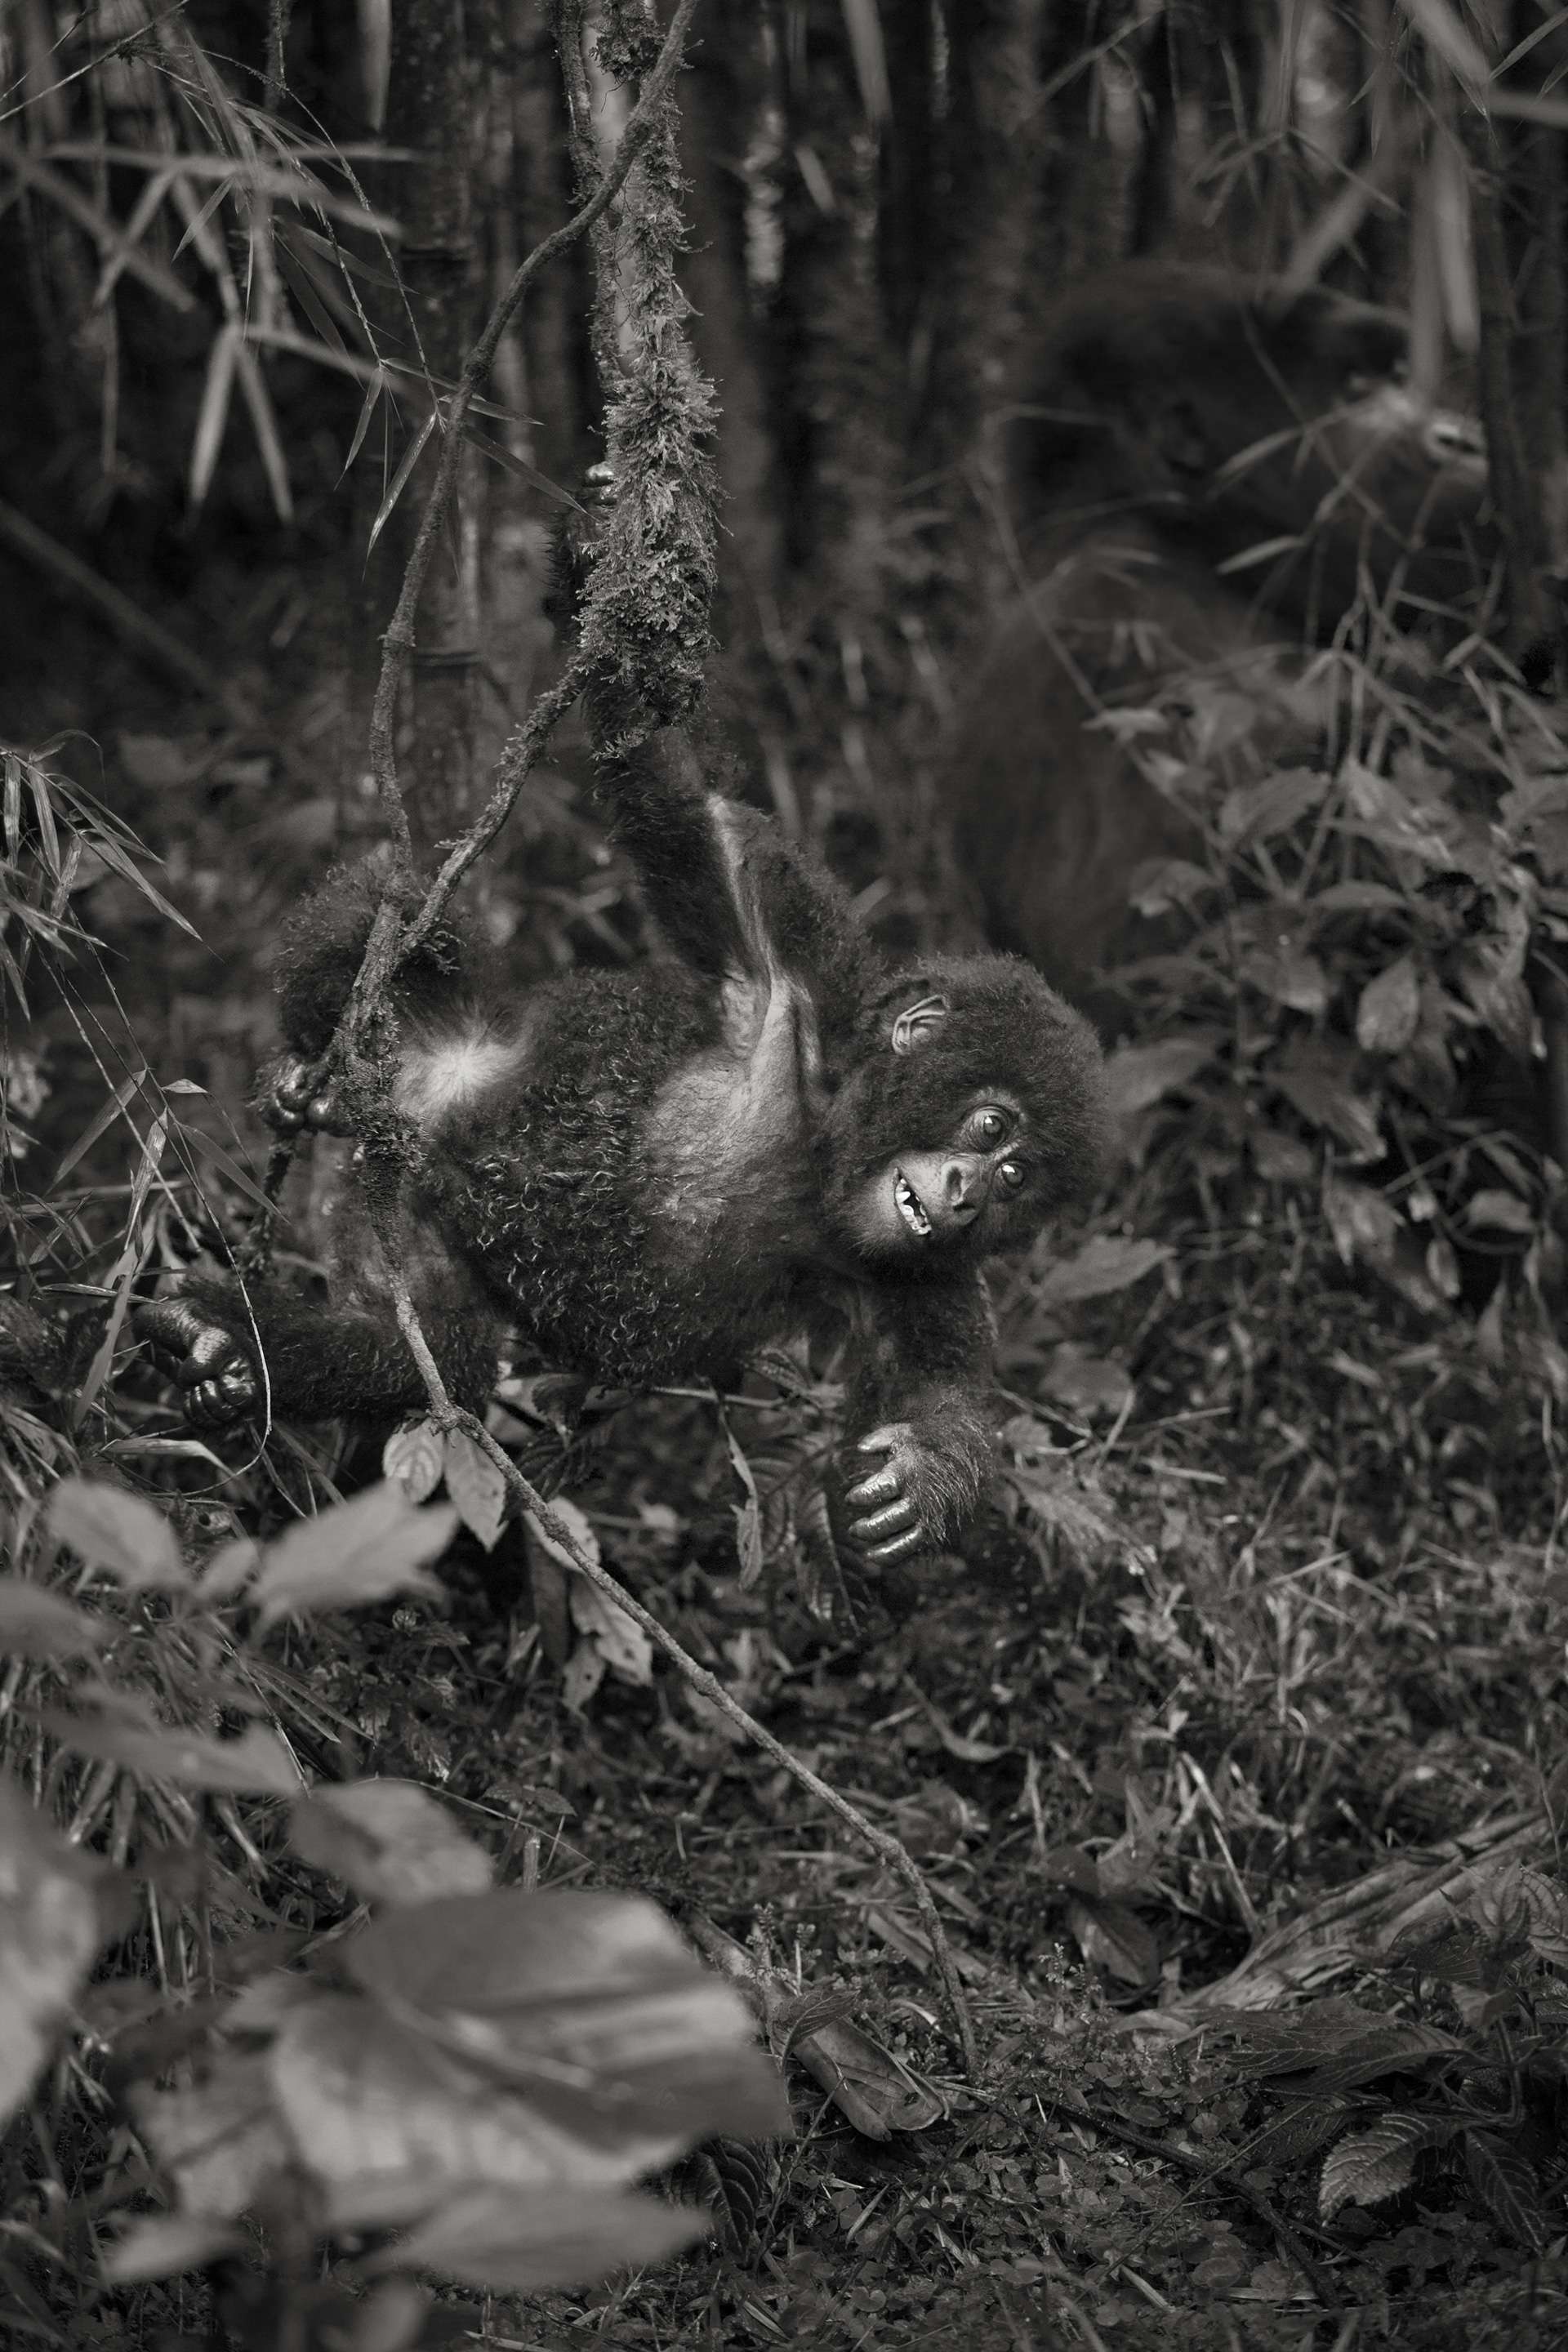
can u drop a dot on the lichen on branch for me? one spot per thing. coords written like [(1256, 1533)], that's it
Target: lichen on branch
[(646, 634)]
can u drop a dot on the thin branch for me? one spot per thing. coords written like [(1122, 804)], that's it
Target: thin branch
[(398, 643), (881, 1841)]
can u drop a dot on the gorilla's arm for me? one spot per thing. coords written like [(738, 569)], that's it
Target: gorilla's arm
[(732, 895), (920, 1393)]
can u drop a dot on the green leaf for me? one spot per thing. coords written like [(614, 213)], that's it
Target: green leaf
[(415, 1457), (591, 2003), (373, 1545), (220, 2141), (1499, 1212), (1106, 1263), (1315, 1086), (577, 1525), (477, 1486), (38, 1623), (117, 1532), (1390, 1009), (161, 2245), (492, 2239), (1297, 2134), (618, 1639), (1368, 2166), (1260, 812), (1289, 976), (228, 1570), (389, 1841), (748, 1515), (1509, 2188), (1168, 882), (256, 1762), (1137, 1076), (1392, 2048), (391, 2120), (52, 1925), (1113, 1937)]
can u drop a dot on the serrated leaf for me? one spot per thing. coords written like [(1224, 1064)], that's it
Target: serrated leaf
[(1521, 1903), (414, 1456), (118, 1532), (51, 1929), (491, 2239), (256, 1763), (1456, 1951), (1389, 1009), (1297, 2134), (389, 1841), (1509, 2190), (1288, 2040), (1392, 2048), (373, 1545), (477, 1486), (1368, 2166), (38, 1623)]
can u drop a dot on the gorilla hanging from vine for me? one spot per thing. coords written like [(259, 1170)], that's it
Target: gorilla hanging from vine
[(768, 1130)]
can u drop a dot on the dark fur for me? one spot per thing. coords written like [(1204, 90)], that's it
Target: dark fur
[(664, 1178), (1124, 489)]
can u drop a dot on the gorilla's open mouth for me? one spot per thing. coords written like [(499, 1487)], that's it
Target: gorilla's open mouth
[(909, 1208)]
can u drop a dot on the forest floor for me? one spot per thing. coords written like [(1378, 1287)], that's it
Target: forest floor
[(1277, 1600)]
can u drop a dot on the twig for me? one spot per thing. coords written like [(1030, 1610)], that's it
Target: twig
[(398, 643), (390, 937), (1199, 2168), (881, 1841)]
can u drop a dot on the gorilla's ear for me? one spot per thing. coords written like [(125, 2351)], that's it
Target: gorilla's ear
[(917, 1022)]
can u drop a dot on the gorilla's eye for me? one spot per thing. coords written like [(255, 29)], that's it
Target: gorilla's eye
[(988, 1127), (1012, 1174)]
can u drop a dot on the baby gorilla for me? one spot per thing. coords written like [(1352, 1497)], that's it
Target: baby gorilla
[(767, 1131)]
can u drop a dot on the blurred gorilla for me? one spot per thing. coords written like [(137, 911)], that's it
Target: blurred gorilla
[(1207, 478)]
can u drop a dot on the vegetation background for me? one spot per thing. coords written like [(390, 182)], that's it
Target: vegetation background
[(1230, 1752)]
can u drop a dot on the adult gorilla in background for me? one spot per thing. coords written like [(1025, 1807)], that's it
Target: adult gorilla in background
[(1204, 479)]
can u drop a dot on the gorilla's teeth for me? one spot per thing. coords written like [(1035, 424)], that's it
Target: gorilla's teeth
[(909, 1209)]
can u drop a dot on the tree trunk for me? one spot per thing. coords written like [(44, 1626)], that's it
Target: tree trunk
[(431, 112)]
